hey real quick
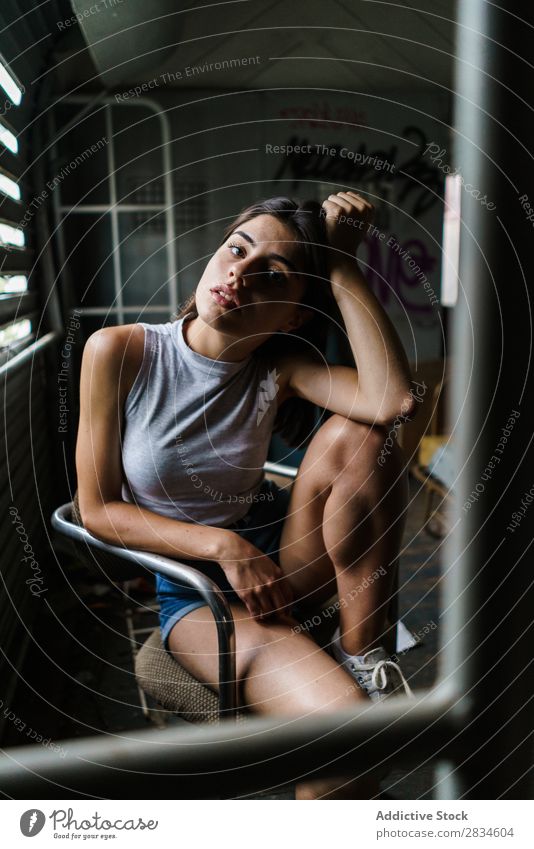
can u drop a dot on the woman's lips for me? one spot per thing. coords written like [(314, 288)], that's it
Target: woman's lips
[(222, 300)]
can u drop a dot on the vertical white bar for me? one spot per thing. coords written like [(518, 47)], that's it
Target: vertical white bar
[(450, 259)]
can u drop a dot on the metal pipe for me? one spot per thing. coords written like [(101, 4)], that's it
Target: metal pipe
[(20, 359), (280, 469), (202, 762), (489, 601)]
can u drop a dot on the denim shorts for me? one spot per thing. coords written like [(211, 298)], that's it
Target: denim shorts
[(262, 526)]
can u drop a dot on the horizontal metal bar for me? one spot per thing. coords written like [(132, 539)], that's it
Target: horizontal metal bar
[(94, 208), (12, 73), (280, 469), (20, 359), (139, 309), (12, 211), (14, 162), (17, 304), (15, 260), (191, 577), (199, 762), (16, 383)]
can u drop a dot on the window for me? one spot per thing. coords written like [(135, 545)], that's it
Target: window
[(116, 214), (17, 302)]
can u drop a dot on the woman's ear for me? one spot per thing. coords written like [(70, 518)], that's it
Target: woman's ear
[(302, 315)]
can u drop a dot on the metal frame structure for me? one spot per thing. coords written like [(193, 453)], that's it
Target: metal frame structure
[(476, 722), (114, 209)]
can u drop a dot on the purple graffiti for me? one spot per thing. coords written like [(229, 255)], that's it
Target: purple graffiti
[(389, 273)]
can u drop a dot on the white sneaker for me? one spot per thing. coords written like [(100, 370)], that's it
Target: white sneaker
[(378, 675)]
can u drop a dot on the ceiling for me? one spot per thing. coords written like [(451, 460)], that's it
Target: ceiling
[(359, 45)]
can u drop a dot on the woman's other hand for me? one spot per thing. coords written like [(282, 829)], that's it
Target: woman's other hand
[(259, 582), (347, 217)]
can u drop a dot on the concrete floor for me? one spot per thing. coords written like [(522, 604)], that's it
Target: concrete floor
[(78, 677)]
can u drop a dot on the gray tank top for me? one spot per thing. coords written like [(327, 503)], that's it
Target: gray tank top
[(196, 430)]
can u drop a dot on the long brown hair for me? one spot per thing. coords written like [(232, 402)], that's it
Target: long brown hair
[(295, 418)]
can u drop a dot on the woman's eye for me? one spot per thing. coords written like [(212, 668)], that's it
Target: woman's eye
[(275, 276)]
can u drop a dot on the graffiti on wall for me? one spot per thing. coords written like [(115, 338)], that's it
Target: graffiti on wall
[(411, 183), (326, 115), (417, 182), (399, 271)]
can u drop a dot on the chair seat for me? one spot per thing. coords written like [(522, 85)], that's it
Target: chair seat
[(172, 686), (76, 516)]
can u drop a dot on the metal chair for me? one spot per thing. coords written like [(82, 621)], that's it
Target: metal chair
[(157, 673)]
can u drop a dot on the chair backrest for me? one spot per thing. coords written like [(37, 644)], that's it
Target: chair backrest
[(76, 516), (108, 566)]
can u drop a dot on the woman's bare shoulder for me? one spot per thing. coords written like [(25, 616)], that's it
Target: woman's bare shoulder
[(118, 351)]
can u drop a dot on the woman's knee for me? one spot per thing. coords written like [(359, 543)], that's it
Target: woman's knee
[(347, 441), (291, 674), (347, 459)]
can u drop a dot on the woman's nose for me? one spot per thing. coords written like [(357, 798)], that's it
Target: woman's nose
[(238, 274)]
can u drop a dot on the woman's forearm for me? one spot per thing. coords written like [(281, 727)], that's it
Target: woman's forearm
[(383, 369), (127, 525)]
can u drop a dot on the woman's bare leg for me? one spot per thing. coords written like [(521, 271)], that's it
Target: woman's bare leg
[(344, 524), (282, 672), (344, 527), (281, 669)]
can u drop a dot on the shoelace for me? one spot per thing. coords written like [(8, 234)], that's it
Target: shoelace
[(379, 676)]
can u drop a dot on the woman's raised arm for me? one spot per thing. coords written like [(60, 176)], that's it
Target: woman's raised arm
[(379, 389)]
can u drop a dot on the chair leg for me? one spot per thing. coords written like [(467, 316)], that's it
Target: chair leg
[(133, 633), (390, 631)]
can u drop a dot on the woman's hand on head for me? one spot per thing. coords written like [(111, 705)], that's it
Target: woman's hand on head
[(259, 582), (347, 218)]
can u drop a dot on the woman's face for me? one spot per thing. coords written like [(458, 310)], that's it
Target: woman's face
[(252, 282)]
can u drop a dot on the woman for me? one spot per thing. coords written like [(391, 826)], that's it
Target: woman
[(174, 429)]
